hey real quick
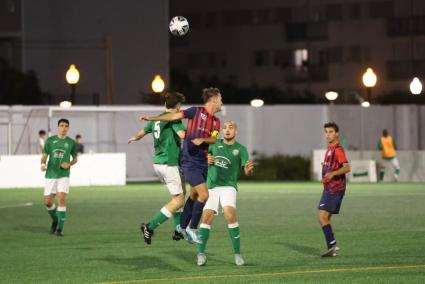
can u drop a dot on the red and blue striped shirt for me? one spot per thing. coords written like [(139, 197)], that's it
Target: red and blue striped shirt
[(201, 124), (334, 159)]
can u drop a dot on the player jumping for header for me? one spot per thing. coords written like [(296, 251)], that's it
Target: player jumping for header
[(166, 161), (202, 129)]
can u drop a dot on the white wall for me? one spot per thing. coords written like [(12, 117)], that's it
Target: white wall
[(22, 171)]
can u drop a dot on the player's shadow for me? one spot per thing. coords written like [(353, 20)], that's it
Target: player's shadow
[(184, 255), (301, 249), (32, 229), (140, 263)]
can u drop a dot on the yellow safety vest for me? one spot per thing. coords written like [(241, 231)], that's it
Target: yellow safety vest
[(388, 150)]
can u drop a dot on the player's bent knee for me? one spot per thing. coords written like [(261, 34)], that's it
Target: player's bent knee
[(208, 216)]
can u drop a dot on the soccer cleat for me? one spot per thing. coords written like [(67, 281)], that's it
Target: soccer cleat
[(59, 233), (147, 233), (182, 231), (201, 259), (177, 236), (193, 236), (53, 227), (330, 252), (239, 260)]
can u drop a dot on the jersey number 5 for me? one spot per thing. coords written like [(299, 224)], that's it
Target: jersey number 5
[(156, 130)]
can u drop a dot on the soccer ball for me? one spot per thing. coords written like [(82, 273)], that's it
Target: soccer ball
[(179, 26)]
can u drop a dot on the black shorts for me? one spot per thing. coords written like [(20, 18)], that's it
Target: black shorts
[(331, 202)]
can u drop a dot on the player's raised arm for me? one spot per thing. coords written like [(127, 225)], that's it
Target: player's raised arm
[(164, 117), (136, 137)]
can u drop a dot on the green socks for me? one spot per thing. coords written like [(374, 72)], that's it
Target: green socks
[(176, 217), (52, 212), (235, 237), (204, 234), (162, 216), (60, 213)]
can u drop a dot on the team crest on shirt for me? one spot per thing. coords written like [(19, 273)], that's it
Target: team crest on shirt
[(222, 162), (235, 152), (203, 116), (66, 145)]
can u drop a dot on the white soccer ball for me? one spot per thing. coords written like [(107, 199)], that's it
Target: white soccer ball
[(179, 26)]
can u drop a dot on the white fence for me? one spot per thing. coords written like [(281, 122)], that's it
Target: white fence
[(286, 129)]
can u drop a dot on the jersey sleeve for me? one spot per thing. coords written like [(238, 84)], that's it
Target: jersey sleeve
[(216, 131), (178, 126), (210, 149), (148, 127), (340, 156), (244, 156), (190, 112), (46, 149), (74, 150)]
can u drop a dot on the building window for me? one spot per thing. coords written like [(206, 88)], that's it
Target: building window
[(354, 11), (300, 58), (354, 54), (237, 18), (335, 54), (261, 17), (282, 58), (380, 9), (334, 12), (296, 31), (283, 15), (261, 58), (211, 20)]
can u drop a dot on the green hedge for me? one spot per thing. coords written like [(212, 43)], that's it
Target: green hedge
[(279, 168)]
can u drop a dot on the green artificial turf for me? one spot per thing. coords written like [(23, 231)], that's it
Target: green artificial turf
[(380, 230)]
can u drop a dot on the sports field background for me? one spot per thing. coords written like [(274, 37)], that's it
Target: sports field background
[(381, 232)]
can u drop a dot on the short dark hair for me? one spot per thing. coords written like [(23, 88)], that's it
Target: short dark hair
[(77, 136), (331, 125), (173, 98), (208, 93), (63, 120), (42, 132), (385, 132)]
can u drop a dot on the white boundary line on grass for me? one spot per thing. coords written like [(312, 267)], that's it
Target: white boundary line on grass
[(287, 273), (16, 205)]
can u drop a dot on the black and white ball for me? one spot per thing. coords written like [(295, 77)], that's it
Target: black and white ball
[(179, 26)]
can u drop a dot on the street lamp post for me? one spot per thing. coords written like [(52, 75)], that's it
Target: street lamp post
[(369, 81), (72, 78)]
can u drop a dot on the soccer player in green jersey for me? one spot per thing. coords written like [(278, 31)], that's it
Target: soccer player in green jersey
[(167, 137), (59, 149), (225, 159)]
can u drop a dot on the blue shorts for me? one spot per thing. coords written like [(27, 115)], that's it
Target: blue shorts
[(331, 202), (195, 175)]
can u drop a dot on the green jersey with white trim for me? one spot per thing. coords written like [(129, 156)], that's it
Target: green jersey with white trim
[(167, 143), (229, 159), (59, 150)]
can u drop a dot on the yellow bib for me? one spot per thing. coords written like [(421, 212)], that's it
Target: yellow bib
[(388, 150)]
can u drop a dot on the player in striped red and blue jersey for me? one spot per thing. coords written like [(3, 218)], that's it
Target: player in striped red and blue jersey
[(334, 168), (202, 129)]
